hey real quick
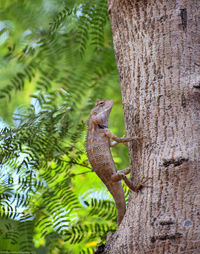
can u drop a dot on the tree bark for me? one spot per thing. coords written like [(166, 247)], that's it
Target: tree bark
[(157, 48)]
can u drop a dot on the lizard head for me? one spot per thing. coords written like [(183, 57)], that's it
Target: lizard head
[(100, 113)]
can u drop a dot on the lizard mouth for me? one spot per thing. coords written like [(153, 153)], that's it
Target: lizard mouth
[(101, 126)]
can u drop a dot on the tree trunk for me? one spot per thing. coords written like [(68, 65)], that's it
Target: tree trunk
[(157, 48)]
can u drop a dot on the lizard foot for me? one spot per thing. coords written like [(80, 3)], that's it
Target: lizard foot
[(141, 185), (127, 139)]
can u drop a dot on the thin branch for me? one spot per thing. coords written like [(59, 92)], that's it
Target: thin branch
[(83, 173), (76, 163)]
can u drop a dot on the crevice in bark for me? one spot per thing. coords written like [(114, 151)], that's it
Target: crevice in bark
[(183, 15), (175, 162), (166, 222), (183, 101), (175, 236), (197, 86)]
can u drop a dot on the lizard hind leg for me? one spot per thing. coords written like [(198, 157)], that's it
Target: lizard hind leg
[(121, 175)]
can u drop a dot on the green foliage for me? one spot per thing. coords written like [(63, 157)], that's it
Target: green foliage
[(42, 155), (57, 59)]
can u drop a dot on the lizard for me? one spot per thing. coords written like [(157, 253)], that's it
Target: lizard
[(99, 155)]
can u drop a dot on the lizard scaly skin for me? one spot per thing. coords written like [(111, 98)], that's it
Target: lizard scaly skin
[(99, 155)]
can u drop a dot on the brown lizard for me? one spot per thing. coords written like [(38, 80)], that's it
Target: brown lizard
[(99, 155)]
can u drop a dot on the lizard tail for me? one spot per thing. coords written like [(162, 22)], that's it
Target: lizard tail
[(121, 209), (116, 190)]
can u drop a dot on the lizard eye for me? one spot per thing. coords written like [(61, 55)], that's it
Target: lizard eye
[(101, 103)]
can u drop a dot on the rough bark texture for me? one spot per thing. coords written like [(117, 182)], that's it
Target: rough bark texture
[(157, 47)]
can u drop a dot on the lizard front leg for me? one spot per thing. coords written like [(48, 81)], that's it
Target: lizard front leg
[(117, 140)]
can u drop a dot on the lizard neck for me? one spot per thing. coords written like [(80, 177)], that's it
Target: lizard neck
[(92, 127)]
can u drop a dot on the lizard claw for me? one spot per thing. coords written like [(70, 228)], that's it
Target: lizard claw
[(141, 185)]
